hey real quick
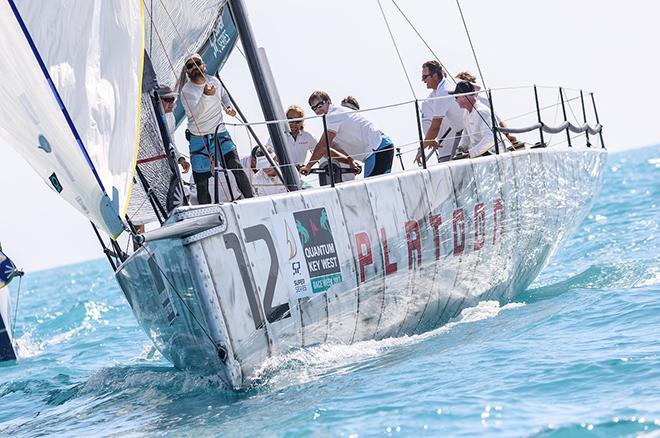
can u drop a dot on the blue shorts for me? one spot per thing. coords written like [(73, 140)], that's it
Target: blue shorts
[(384, 159), (202, 150)]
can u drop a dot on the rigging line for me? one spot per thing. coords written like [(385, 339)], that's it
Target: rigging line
[(176, 291), (570, 107), (437, 58), (451, 77), (18, 296), (474, 54), (176, 77), (396, 47)]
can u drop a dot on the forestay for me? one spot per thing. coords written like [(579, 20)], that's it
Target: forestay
[(70, 97)]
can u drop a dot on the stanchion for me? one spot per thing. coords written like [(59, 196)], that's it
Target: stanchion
[(563, 109), (584, 117), (593, 101), (327, 149), (492, 119), (538, 115), (421, 134)]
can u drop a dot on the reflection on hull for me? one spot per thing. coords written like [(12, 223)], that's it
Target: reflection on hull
[(391, 256)]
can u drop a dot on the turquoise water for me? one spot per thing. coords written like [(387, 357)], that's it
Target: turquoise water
[(577, 354)]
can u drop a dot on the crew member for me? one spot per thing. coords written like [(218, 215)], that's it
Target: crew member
[(352, 136), (204, 100), (477, 136), (441, 117)]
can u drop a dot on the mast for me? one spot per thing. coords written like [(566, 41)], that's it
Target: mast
[(264, 92)]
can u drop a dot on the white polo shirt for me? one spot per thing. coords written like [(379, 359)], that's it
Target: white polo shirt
[(356, 135), (204, 112), (299, 146), (265, 185), (478, 132), (448, 109)]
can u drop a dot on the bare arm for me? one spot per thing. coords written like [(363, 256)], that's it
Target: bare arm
[(320, 150), (432, 133), (430, 138)]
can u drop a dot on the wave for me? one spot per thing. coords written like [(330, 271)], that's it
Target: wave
[(62, 327), (628, 274), (308, 364), (632, 426)]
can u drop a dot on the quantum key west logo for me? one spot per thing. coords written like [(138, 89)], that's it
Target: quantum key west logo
[(319, 249)]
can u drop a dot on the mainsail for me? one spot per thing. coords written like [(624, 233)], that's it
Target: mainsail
[(71, 75), (173, 31)]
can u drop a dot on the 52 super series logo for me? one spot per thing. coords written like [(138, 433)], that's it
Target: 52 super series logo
[(313, 263)]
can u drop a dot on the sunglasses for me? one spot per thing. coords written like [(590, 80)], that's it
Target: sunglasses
[(192, 64), (318, 105), (168, 99), (426, 76)]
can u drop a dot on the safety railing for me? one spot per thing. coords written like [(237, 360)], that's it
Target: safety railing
[(578, 126)]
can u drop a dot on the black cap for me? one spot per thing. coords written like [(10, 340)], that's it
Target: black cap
[(463, 87)]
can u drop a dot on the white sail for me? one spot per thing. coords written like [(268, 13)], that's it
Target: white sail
[(70, 97), (177, 28)]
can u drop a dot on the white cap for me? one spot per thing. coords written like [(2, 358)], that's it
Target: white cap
[(263, 163)]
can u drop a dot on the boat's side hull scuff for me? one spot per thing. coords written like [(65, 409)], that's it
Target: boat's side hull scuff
[(390, 256)]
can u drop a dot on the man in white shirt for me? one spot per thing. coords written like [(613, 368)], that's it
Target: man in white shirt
[(483, 98), (442, 119), (352, 136), (301, 141), (204, 99), (478, 132)]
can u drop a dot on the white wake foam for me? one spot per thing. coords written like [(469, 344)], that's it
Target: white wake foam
[(307, 364)]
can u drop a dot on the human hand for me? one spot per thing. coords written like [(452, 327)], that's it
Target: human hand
[(231, 112), (431, 144), (418, 159), (184, 164), (305, 170), (209, 90)]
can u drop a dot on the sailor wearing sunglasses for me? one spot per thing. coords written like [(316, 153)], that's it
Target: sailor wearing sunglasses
[(204, 100)]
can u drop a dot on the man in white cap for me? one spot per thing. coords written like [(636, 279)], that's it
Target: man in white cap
[(265, 181), (204, 99), (478, 122)]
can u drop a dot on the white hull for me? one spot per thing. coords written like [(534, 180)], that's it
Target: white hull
[(413, 250)]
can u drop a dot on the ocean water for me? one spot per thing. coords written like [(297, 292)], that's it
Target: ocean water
[(577, 354)]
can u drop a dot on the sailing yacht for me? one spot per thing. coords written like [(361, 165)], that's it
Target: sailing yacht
[(222, 287)]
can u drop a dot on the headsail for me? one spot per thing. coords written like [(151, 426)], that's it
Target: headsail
[(70, 98), (178, 28), (173, 30)]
